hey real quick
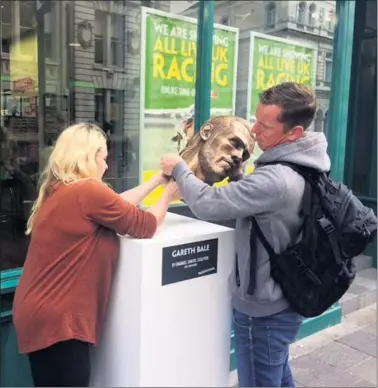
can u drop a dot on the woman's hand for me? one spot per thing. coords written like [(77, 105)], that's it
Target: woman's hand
[(173, 191), (163, 179)]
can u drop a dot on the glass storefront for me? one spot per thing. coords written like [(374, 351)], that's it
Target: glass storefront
[(361, 173), (278, 41), (131, 67), (64, 62), (69, 61)]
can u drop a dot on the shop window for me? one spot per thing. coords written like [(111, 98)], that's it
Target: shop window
[(371, 16), (54, 79), (365, 118), (109, 115), (270, 15)]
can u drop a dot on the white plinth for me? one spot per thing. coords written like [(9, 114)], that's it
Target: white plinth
[(171, 335)]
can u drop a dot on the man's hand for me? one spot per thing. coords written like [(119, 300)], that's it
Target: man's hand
[(168, 163)]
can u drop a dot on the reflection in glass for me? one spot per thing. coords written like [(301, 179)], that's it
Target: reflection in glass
[(64, 62)]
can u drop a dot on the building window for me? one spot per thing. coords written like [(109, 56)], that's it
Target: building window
[(27, 23), (225, 20), (328, 68), (270, 15), (27, 17), (100, 33), (331, 20), (301, 12), (100, 101), (6, 26), (321, 15), (117, 39), (319, 120), (49, 45), (312, 15)]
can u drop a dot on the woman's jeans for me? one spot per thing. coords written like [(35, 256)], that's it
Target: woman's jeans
[(262, 348)]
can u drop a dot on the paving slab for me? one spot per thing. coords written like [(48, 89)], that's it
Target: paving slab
[(367, 278), (371, 329), (312, 372), (361, 340), (354, 290), (367, 370), (363, 384), (350, 323), (339, 355)]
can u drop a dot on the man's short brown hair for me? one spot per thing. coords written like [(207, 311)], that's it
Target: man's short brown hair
[(297, 101)]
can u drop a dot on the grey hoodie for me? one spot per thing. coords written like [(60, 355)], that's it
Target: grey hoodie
[(273, 194)]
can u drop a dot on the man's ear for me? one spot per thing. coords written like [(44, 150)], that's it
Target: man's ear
[(206, 130), (295, 133)]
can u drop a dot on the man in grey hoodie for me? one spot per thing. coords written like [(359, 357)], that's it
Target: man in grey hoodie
[(265, 324)]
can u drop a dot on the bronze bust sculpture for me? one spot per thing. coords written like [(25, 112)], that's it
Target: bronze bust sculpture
[(220, 149)]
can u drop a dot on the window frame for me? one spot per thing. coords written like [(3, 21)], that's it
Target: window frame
[(311, 13), (301, 13), (270, 15), (108, 40)]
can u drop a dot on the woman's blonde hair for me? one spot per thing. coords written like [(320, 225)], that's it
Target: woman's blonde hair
[(73, 158)]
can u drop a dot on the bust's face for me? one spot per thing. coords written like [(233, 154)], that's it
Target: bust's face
[(227, 144)]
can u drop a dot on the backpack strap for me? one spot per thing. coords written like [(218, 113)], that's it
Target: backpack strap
[(310, 176), (262, 238)]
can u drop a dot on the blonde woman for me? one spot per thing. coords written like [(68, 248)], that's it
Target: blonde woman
[(60, 303)]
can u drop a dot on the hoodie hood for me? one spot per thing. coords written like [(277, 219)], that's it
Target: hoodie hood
[(309, 151)]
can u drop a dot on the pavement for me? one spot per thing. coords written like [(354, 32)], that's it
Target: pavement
[(344, 355)]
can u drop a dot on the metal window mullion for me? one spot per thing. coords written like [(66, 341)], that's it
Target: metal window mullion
[(107, 40), (340, 88), (205, 29)]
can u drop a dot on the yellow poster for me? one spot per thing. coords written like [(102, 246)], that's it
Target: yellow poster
[(24, 65)]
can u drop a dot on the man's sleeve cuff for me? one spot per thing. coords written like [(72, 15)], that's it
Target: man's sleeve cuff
[(180, 169)]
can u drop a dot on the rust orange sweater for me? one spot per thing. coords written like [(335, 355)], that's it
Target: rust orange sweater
[(68, 272)]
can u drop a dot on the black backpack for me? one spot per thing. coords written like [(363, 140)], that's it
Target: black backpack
[(317, 271)]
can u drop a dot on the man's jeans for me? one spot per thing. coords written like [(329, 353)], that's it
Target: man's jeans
[(262, 348)]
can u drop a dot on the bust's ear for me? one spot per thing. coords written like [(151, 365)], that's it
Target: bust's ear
[(206, 130)]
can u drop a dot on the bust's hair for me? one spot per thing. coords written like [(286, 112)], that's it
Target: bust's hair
[(192, 147)]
